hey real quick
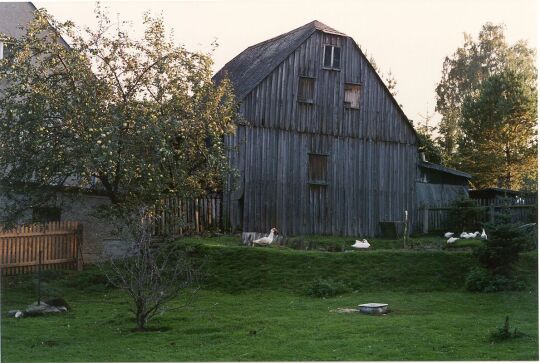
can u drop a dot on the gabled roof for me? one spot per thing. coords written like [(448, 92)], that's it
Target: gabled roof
[(250, 67), (15, 16), (444, 169)]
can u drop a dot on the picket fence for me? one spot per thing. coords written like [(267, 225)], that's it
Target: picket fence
[(185, 216), (435, 218), (53, 245)]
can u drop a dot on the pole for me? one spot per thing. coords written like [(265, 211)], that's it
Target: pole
[(39, 277)]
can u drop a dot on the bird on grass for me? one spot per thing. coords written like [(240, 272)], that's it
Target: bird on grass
[(266, 241), (18, 314), (483, 235), (448, 234), (452, 240), (361, 244)]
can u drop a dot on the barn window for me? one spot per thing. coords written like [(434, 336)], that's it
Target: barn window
[(352, 95), (306, 89), (318, 168), (332, 57)]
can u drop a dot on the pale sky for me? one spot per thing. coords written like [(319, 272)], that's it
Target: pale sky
[(408, 37)]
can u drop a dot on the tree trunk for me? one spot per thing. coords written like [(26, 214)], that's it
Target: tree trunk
[(141, 321)]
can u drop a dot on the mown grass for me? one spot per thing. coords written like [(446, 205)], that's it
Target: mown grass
[(269, 325), (253, 307), (239, 268), (332, 243)]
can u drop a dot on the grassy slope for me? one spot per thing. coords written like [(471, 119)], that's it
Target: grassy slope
[(431, 319), (233, 268)]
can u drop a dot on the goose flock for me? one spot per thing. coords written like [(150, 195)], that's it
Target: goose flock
[(465, 235)]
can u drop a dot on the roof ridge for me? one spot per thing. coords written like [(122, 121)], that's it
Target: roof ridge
[(280, 35)]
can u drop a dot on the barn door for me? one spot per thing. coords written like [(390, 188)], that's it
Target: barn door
[(318, 192)]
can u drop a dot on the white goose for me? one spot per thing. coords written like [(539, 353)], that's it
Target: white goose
[(464, 235), (266, 241), (361, 244), (483, 235), (448, 234), (452, 240)]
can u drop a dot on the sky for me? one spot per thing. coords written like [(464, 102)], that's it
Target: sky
[(410, 38)]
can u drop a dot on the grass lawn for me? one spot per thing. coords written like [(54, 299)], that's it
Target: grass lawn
[(265, 325), (253, 307)]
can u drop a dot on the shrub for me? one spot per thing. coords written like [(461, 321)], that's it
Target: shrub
[(326, 288), (504, 332), (477, 280), (504, 283), (501, 250), (465, 215), (481, 280)]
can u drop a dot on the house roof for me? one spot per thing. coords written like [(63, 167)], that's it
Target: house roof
[(15, 16), (444, 169), (251, 66)]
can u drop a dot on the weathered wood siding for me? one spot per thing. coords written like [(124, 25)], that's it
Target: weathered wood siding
[(372, 151)]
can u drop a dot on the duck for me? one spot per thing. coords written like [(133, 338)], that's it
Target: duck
[(18, 314), (266, 241), (463, 235), (483, 235), (448, 234), (361, 244), (452, 240)]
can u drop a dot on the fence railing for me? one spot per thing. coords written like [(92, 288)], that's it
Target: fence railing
[(185, 216), (436, 218), (58, 243)]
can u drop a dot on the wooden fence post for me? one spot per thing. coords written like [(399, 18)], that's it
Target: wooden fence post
[(425, 219), (491, 213), (79, 237)]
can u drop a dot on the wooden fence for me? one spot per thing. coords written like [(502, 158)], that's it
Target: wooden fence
[(59, 244), (435, 218), (185, 216)]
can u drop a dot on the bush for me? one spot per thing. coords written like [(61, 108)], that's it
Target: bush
[(477, 280), (501, 250), (465, 215), (504, 283), (326, 288), (504, 332), (481, 280)]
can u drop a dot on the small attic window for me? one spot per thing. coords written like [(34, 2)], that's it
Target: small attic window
[(332, 57), (352, 95), (306, 89)]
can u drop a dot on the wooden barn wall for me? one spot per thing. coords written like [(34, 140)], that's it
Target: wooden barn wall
[(372, 152)]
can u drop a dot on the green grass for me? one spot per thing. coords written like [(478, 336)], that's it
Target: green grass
[(239, 268), (332, 243), (263, 290), (217, 326)]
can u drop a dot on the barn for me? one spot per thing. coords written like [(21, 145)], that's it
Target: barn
[(321, 147)]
